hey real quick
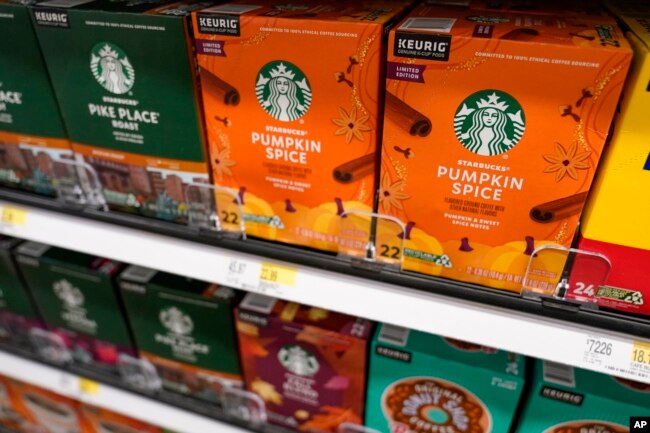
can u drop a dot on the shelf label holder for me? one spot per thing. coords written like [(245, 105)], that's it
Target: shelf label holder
[(50, 347), (77, 185)]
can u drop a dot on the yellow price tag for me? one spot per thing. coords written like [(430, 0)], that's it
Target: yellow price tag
[(88, 386), (14, 216), (279, 274), (641, 352)]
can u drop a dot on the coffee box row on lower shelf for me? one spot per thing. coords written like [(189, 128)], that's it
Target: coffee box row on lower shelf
[(313, 369), (27, 408)]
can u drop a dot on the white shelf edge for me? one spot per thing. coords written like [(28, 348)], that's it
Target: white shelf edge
[(501, 328), (108, 397)]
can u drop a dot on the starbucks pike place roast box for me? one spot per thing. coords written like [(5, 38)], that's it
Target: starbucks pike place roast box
[(124, 75), (18, 313), (423, 383), (78, 301), (565, 399), (185, 328), (306, 363), (292, 96), (503, 117), (32, 136)]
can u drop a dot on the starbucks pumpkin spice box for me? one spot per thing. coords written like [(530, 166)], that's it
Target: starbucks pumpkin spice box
[(307, 364), (76, 295), (292, 97), (503, 118), (125, 78), (185, 328), (33, 139), (423, 383)]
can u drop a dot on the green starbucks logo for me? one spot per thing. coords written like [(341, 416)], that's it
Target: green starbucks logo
[(283, 91), (298, 360), (111, 68), (176, 321), (489, 122), (68, 293)]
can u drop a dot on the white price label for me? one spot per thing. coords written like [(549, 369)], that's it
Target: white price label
[(616, 357), (243, 274)]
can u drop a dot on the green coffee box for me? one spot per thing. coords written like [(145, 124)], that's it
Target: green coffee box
[(566, 399), (77, 298), (185, 328), (33, 140), (125, 78), (18, 313), (422, 383)]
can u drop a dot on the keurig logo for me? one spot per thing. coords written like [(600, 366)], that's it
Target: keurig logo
[(219, 24), (422, 46)]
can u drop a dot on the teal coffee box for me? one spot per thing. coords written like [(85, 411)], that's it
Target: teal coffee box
[(185, 328), (422, 383), (78, 301), (33, 140), (18, 314), (565, 399), (125, 78)]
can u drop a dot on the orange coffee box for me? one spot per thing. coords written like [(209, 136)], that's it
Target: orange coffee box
[(35, 409), (99, 420), (493, 129), (292, 96)]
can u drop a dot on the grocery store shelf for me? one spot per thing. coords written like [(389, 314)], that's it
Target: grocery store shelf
[(439, 306), (109, 397)]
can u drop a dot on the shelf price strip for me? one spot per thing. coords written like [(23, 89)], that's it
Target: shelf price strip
[(618, 357), (262, 277)]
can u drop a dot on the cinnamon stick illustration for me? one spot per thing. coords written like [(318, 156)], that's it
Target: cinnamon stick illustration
[(356, 169), (219, 88), (407, 117), (524, 34), (558, 209)]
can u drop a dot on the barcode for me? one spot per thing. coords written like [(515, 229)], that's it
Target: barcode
[(393, 335), (559, 373), (64, 3), (32, 249), (232, 9), (259, 303), (138, 274), (439, 25)]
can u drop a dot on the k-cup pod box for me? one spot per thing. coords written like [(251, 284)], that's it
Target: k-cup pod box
[(99, 420), (185, 328), (565, 399), (615, 214), (18, 313), (125, 79), (34, 409), (421, 383), (292, 123), (75, 294), (306, 363), (32, 136), (576, 8), (503, 118)]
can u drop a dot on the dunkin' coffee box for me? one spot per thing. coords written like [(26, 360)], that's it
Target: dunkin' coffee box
[(33, 139), (420, 383), (185, 328), (306, 363), (565, 399), (75, 294), (292, 123), (100, 420), (503, 118), (18, 313), (124, 76), (26, 408), (615, 215)]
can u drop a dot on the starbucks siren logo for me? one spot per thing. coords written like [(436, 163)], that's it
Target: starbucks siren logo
[(176, 321), (298, 361), (489, 122), (69, 294), (283, 91), (111, 68)]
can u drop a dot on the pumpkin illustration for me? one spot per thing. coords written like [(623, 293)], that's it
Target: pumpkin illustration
[(464, 254), (415, 242), (290, 214), (251, 206), (326, 219)]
